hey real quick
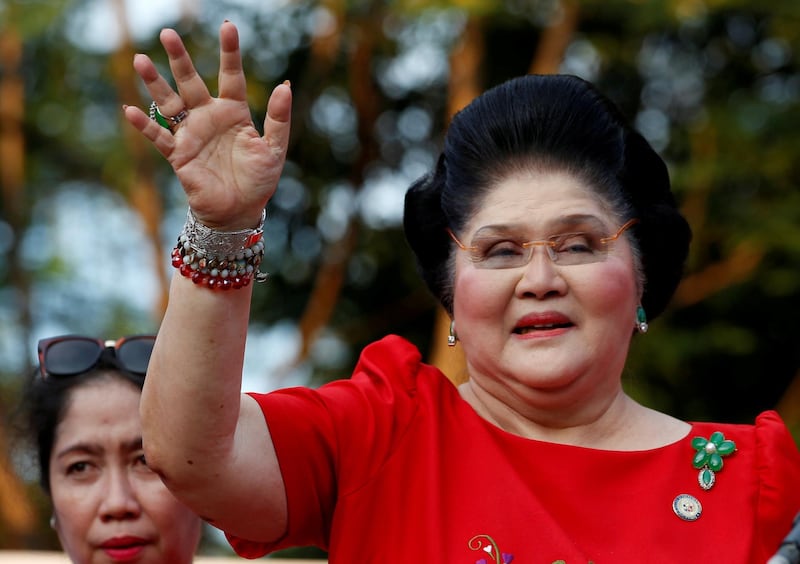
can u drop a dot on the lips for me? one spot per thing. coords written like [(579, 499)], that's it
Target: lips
[(124, 548), (541, 322), (123, 542)]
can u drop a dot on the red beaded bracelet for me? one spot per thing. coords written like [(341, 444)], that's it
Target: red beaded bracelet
[(219, 260)]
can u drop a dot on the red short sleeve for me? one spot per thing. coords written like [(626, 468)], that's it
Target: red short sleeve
[(778, 467), (330, 441)]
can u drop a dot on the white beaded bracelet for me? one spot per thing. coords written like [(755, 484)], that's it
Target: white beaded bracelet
[(219, 259)]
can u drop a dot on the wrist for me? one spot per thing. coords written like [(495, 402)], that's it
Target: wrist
[(212, 241), (219, 259), (245, 222)]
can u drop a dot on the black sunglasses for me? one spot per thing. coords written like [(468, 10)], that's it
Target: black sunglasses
[(71, 355)]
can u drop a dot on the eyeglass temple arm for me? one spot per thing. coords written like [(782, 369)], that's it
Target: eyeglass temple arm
[(461, 245), (621, 230)]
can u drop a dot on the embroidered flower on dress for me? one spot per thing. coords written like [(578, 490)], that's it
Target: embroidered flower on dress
[(491, 549), (708, 458)]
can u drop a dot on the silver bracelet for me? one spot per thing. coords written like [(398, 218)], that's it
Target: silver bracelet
[(219, 260), (211, 243)]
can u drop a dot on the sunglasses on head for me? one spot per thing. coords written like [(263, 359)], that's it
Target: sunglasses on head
[(71, 355)]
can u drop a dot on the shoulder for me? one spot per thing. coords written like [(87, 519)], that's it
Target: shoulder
[(393, 354), (767, 433), (769, 467), (778, 469), (395, 362), (770, 428), (768, 438), (389, 372), (771, 452), (777, 452)]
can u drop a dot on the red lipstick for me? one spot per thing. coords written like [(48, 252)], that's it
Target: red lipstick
[(544, 324), (124, 548)]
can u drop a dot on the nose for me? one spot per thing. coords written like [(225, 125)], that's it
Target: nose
[(541, 277), (121, 501)]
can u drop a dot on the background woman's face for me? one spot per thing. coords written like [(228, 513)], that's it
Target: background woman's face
[(108, 505)]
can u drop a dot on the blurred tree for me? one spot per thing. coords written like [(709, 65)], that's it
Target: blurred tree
[(17, 513)]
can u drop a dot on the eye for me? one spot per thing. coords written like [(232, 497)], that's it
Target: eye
[(140, 464), (499, 253), (504, 248), (79, 467), (81, 471), (577, 243)]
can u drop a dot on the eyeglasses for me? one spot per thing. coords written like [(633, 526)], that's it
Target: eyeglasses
[(71, 355), (498, 251)]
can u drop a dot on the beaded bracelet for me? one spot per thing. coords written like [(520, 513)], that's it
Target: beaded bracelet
[(219, 260)]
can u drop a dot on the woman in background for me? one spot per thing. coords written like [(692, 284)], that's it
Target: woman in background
[(82, 407)]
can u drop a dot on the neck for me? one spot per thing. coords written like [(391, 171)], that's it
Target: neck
[(610, 422)]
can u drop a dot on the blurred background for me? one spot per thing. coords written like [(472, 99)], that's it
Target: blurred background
[(89, 211)]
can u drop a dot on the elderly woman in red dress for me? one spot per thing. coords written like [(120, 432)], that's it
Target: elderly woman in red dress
[(549, 233)]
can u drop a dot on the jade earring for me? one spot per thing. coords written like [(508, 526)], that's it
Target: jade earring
[(641, 320), (452, 337)]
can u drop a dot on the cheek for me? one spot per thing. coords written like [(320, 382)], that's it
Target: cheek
[(479, 296), (179, 528), (162, 507), (73, 516), (609, 289), (69, 498)]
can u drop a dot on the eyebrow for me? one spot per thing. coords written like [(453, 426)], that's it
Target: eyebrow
[(571, 221), (95, 449)]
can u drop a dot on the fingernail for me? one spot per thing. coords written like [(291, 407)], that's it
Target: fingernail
[(124, 107), (288, 83)]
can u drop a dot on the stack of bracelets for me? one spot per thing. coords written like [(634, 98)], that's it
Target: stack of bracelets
[(219, 260)]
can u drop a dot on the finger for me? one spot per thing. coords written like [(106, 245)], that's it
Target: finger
[(168, 101), (190, 85), (232, 83), (161, 138), (278, 119)]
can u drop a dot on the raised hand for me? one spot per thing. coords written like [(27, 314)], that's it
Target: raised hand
[(226, 167)]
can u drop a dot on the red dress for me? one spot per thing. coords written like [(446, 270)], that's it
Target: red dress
[(393, 466)]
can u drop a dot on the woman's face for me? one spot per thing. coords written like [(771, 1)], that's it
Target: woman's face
[(545, 334), (109, 507)]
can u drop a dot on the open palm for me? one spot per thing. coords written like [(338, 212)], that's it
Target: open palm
[(227, 168)]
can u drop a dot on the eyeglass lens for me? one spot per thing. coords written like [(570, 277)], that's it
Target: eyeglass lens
[(566, 249)]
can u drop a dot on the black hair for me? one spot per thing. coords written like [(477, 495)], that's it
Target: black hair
[(45, 401), (551, 123)]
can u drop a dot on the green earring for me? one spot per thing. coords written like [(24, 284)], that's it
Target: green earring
[(641, 320)]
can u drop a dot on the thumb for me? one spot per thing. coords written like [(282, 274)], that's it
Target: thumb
[(277, 122)]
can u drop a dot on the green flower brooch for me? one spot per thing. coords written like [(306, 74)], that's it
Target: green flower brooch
[(708, 458)]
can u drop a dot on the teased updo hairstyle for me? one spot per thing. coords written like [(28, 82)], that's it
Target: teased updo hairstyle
[(45, 402), (548, 123)]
